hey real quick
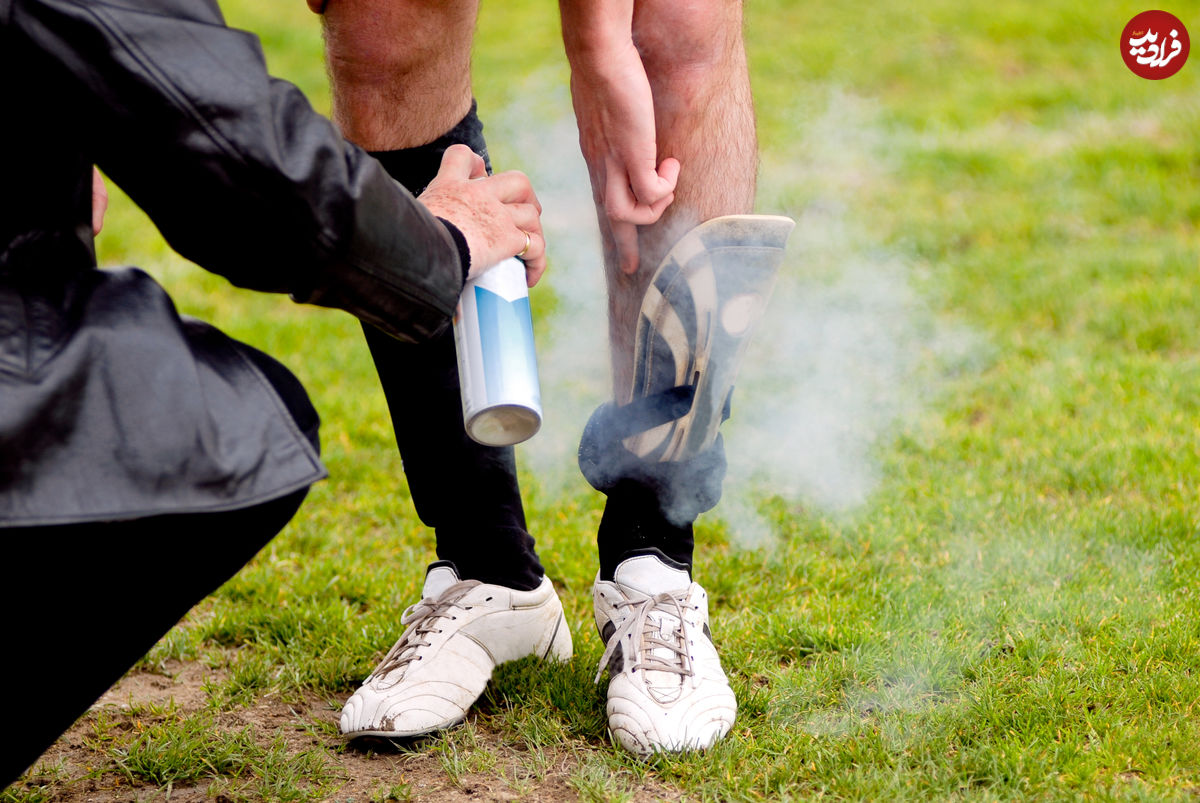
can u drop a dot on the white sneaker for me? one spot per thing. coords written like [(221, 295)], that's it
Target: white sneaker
[(456, 635), (666, 689)]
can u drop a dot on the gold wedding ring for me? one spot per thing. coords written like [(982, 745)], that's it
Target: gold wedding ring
[(526, 248)]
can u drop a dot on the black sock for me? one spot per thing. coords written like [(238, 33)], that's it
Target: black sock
[(633, 523), (465, 491), (416, 167), (651, 504)]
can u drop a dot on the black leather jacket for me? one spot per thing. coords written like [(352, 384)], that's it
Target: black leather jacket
[(110, 405)]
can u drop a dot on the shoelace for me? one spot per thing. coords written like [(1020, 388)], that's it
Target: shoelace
[(647, 636), (421, 620)]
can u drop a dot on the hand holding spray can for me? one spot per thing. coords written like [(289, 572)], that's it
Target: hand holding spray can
[(497, 367)]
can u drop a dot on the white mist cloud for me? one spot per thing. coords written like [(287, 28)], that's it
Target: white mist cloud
[(843, 359), (848, 353), (573, 362)]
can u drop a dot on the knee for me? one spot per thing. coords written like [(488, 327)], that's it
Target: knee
[(377, 40), (688, 40)]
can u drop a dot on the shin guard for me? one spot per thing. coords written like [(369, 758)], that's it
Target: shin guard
[(659, 458), (701, 307)]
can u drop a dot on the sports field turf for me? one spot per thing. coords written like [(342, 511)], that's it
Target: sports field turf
[(957, 556)]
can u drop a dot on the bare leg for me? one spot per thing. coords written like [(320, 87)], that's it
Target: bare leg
[(704, 117), (401, 69), (695, 64)]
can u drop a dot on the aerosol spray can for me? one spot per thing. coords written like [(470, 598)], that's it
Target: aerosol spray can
[(497, 367)]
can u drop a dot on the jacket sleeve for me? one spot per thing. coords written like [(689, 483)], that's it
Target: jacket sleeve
[(234, 167)]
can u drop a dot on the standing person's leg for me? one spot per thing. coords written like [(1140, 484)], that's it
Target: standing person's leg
[(402, 90), (667, 690), (704, 117)]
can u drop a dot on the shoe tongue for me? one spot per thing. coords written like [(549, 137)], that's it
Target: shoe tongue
[(438, 578), (649, 575)]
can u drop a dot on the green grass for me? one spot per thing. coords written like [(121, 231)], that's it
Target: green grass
[(1009, 612)]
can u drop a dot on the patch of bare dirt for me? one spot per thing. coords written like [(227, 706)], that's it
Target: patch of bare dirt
[(76, 769)]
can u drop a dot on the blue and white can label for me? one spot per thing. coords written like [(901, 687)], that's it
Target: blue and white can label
[(497, 366)]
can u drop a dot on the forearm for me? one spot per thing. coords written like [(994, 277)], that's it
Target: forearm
[(235, 168), (594, 29)]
